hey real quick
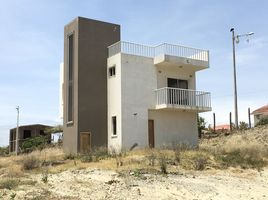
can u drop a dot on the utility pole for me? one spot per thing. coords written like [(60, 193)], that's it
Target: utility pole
[(235, 39), (235, 86), (17, 131)]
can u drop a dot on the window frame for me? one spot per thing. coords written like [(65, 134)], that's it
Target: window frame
[(70, 79), (114, 125), (112, 71)]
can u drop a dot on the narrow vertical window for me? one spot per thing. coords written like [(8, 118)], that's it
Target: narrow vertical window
[(114, 125), (70, 77), (112, 71)]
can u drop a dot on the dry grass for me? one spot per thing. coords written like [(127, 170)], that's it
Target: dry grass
[(247, 149)]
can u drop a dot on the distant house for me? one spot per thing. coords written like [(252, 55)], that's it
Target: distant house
[(260, 113), (223, 127), (25, 132)]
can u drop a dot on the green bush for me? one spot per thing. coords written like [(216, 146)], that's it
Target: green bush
[(31, 144), (201, 123), (263, 121), (243, 125), (4, 151)]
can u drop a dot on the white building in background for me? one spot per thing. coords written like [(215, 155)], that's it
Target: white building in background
[(152, 97), (260, 113)]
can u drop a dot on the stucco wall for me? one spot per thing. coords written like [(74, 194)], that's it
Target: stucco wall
[(114, 102), (172, 127), (131, 98), (165, 72), (138, 85)]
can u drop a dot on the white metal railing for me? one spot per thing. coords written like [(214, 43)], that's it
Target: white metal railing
[(182, 97), (150, 51)]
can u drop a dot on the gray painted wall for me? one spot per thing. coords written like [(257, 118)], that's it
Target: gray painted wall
[(91, 39)]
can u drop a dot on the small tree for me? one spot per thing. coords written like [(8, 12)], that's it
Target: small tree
[(4, 151), (201, 125), (263, 121), (33, 143), (243, 125)]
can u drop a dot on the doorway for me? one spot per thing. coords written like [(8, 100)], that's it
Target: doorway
[(177, 83), (85, 142), (175, 96), (151, 133)]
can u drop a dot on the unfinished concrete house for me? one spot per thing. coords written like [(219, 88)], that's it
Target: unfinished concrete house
[(25, 132)]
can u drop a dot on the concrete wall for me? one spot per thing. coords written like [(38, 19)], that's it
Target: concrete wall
[(91, 39), (165, 72), (131, 98), (70, 131), (172, 127), (61, 86), (138, 85), (114, 103)]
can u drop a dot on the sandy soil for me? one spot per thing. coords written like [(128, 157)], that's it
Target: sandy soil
[(106, 184)]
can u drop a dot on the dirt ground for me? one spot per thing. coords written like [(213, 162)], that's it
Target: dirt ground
[(107, 184)]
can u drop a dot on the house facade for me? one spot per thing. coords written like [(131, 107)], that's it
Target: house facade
[(152, 97), (27, 131), (120, 94), (85, 83), (260, 113)]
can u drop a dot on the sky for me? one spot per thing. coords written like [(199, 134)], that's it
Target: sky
[(31, 49)]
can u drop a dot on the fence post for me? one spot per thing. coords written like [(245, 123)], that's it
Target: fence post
[(214, 122), (249, 119), (230, 118)]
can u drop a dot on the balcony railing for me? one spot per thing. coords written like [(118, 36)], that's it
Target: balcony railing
[(182, 98), (150, 51)]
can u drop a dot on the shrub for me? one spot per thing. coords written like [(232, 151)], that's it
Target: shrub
[(236, 158), (263, 121), (4, 151), (87, 157), (200, 163), (201, 125), (9, 183), (31, 162), (31, 144), (151, 157), (69, 156), (163, 163), (119, 159), (95, 155), (243, 126), (44, 178)]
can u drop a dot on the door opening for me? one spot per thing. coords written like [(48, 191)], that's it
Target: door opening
[(85, 142), (175, 96), (151, 133)]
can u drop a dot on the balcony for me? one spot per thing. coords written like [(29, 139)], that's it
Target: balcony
[(165, 54), (182, 99)]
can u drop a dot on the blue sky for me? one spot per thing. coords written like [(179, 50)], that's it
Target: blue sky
[(31, 49)]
